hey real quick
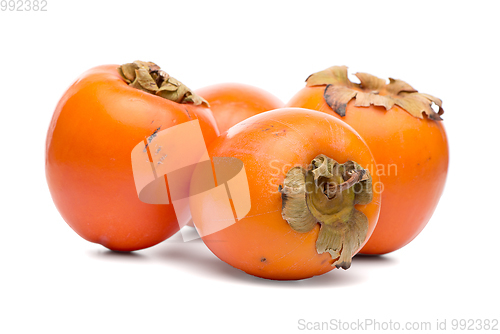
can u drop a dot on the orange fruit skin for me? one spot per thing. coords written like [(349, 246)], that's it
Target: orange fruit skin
[(412, 157), (269, 144), (95, 126), (231, 103)]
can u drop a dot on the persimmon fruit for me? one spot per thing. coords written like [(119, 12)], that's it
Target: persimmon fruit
[(96, 125), (231, 103), (313, 201), (407, 139)]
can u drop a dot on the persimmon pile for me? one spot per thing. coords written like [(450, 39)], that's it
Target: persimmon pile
[(279, 191)]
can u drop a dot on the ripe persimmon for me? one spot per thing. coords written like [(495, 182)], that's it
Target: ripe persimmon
[(233, 102), (312, 202), (406, 137), (96, 125)]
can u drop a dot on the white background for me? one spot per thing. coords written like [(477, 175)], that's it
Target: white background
[(52, 281)]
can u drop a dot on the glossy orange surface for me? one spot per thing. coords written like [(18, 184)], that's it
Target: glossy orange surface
[(95, 126), (269, 144), (233, 102), (412, 158)]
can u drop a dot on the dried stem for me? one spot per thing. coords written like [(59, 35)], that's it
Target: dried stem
[(332, 189)]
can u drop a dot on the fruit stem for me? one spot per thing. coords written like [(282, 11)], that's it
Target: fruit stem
[(332, 189), (371, 90), (306, 202), (149, 77)]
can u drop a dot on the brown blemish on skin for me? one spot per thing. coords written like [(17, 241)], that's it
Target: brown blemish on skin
[(188, 114), (151, 137), (428, 159), (268, 128), (280, 133)]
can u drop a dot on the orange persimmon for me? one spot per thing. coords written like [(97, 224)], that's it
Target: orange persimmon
[(312, 201), (96, 125), (233, 102), (406, 137)]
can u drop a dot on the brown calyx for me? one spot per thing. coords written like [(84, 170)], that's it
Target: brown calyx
[(373, 91), (326, 193), (149, 77)]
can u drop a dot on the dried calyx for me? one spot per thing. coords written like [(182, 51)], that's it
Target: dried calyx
[(326, 193), (150, 78), (372, 90)]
